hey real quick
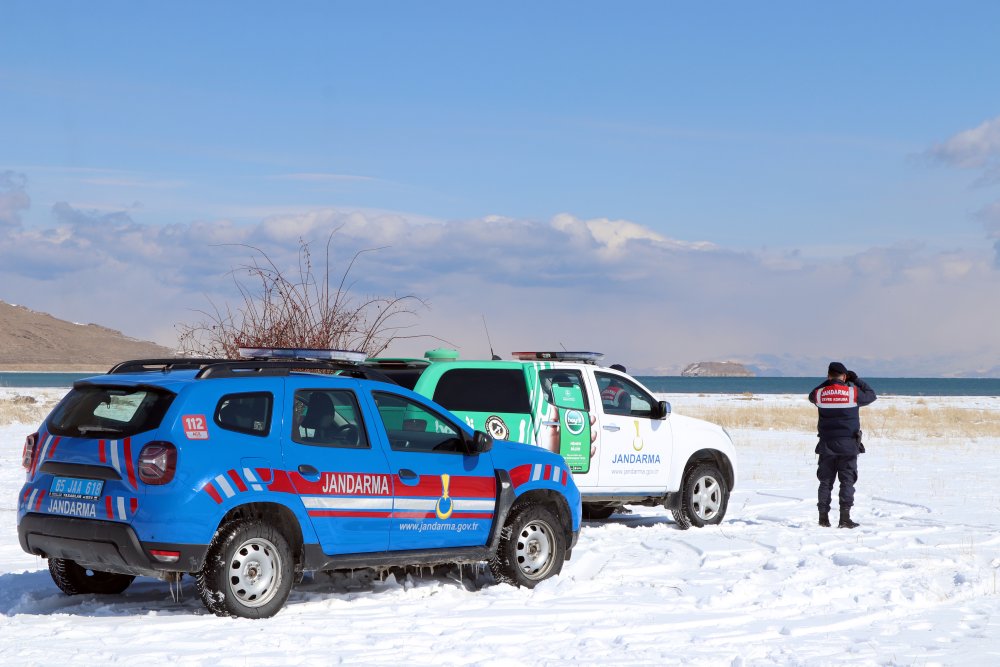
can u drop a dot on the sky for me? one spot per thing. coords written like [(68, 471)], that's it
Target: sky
[(779, 184)]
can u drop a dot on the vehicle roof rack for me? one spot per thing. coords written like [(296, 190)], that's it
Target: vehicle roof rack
[(162, 365), (219, 368), (579, 357), (270, 367)]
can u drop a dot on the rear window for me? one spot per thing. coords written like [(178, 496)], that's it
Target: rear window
[(483, 390), (245, 413), (91, 411)]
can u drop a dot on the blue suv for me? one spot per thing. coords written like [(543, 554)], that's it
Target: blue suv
[(248, 473)]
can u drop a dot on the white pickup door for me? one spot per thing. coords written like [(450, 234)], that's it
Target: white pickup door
[(633, 451)]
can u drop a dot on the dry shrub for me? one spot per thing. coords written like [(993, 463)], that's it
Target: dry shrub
[(881, 420), (24, 410), (751, 416), (310, 308), (921, 419)]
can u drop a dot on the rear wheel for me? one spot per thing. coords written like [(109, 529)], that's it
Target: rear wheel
[(705, 497), (531, 549), (74, 579), (248, 571)]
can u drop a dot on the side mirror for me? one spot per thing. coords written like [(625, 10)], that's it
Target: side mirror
[(662, 410), (480, 443)]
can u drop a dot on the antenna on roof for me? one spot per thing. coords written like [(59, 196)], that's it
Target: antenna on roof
[(493, 355)]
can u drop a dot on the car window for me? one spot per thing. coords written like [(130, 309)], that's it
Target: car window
[(93, 411), (564, 389), (619, 396), (483, 390), (412, 427), (328, 418), (246, 413)]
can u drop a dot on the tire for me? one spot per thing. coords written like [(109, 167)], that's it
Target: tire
[(596, 512), (248, 572), (705, 497), (681, 519), (74, 579), (532, 547)]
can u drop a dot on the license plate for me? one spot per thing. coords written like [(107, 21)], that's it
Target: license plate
[(80, 489)]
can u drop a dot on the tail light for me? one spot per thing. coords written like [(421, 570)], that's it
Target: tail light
[(28, 453), (157, 463)]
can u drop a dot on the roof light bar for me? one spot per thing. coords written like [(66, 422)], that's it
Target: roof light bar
[(583, 357), (302, 353)]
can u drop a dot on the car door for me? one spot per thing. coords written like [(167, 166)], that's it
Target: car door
[(444, 497), (566, 426), (634, 449), (341, 478)]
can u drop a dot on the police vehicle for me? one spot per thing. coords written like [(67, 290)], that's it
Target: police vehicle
[(622, 444), (247, 473)]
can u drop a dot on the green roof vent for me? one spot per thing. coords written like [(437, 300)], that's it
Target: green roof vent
[(441, 354)]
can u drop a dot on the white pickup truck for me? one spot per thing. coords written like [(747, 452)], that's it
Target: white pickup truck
[(622, 445)]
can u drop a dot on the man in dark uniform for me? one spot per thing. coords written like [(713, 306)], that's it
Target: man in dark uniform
[(839, 400)]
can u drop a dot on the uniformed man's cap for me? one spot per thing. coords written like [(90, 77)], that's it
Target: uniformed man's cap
[(836, 368)]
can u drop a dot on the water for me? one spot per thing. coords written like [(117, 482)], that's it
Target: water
[(790, 385), (12, 379), (669, 384)]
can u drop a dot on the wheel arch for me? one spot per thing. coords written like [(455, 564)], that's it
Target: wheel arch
[(550, 498), (716, 458), (276, 514)]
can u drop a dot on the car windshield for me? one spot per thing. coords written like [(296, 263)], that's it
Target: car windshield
[(90, 411)]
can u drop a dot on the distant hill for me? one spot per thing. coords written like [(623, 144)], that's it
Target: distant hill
[(33, 341), (716, 369)]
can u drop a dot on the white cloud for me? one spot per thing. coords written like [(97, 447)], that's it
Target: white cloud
[(612, 285), (976, 148)]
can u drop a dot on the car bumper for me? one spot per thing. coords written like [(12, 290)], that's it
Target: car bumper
[(108, 546)]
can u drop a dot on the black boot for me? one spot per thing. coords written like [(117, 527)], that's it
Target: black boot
[(845, 518), (824, 519)]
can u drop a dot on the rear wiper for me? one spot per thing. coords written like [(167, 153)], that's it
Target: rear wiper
[(96, 429)]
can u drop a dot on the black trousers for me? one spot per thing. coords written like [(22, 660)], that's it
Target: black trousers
[(831, 467)]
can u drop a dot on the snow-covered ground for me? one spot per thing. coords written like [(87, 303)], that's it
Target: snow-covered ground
[(916, 584)]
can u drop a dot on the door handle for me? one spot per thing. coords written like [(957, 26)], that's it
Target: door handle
[(307, 470), (612, 427), (408, 477), (550, 423)]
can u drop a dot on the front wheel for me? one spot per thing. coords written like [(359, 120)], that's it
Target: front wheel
[(705, 497), (532, 548), (248, 571), (74, 579)]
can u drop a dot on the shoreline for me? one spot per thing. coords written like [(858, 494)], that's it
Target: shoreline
[(52, 368)]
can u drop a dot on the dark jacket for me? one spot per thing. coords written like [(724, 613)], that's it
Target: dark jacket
[(839, 404)]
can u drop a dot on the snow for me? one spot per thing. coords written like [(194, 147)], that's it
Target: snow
[(915, 584)]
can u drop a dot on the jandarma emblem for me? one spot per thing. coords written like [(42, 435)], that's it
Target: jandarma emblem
[(497, 428), (444, 506)]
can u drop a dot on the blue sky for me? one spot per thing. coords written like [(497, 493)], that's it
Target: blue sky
[(776, 183)]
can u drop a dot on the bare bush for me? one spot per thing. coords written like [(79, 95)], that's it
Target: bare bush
[(885, 419), (21, 409), (300, 309)]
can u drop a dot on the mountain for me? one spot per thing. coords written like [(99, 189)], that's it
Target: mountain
[(33, 341)]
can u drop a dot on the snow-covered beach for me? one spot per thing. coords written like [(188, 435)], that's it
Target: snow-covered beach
[(917, 583)]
